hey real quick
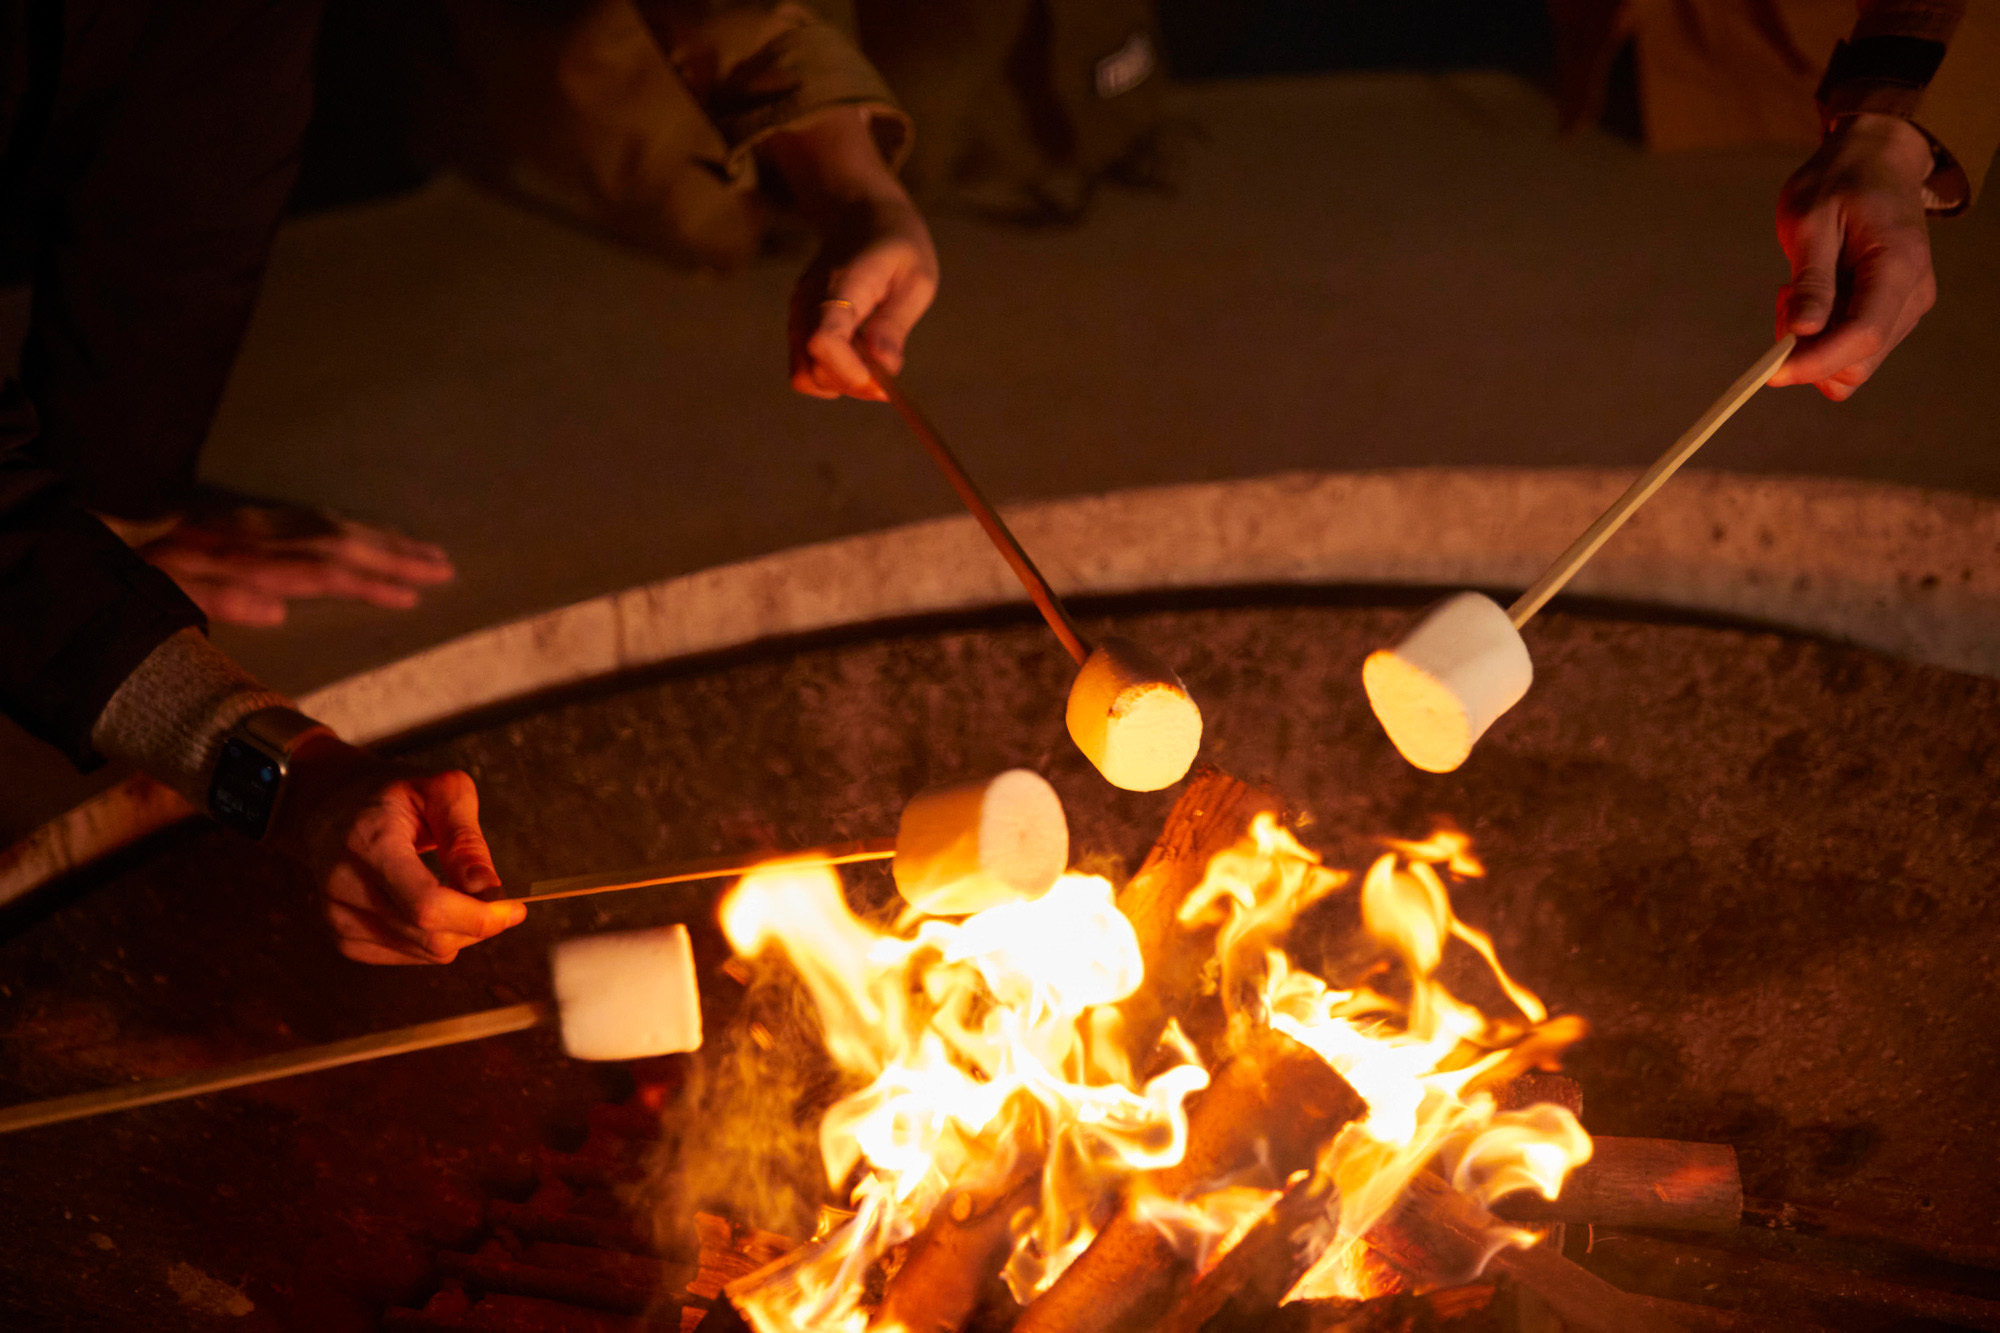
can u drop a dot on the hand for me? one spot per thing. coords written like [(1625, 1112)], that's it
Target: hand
[(872, 280), (360, 824), (876, 270), (1851, 220), (240, 563)]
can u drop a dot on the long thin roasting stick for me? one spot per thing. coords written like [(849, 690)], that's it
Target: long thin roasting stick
[(711, 867), (1024, 569), (1654, 477), (421, 1037)]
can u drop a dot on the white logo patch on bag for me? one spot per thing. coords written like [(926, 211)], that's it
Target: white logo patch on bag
[(1126, 68)]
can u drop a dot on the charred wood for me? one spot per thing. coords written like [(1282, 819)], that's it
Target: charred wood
[(1656, 1183), (1839, 1296), (1212, 815), (1275, 1099), (1441, 1238), (951, 1262)]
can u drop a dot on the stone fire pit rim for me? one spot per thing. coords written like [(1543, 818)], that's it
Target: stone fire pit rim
[(1908, 572)]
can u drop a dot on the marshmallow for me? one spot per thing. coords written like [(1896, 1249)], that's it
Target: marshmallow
[(1438, 690), (1132, 717), (627, 994), (975, 845)]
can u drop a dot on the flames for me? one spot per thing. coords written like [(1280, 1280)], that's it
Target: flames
[(992, 1065)]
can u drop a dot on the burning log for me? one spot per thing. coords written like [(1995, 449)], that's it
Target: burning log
[(966, 1241), (1256, 1272), (951, 1260), (1276, 1095), (1643, 1183), (1212, 815), (1440, 1237), (1624, 1177)]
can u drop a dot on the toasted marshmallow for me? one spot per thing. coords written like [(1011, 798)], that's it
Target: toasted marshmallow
[(974, 845), (1438, 690), (1132, 717)]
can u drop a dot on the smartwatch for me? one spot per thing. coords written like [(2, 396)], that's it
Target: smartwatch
[(250, 771)]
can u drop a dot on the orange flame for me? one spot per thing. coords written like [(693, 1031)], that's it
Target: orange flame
[(988, 1041)]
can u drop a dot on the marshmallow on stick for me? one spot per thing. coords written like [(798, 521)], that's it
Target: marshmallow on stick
[(965, 848), (627, 994), (620, 996), (1465, 663), (1128, 712), (1131, 716)]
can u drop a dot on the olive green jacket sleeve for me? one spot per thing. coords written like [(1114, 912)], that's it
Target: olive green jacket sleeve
[(1958, 106), (759, 68)]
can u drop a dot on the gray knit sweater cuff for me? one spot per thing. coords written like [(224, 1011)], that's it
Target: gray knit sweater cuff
[(171, 715)]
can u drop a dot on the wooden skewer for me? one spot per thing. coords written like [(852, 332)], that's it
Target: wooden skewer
[(1044, 596), (712, 867), (1654, 477), (423, 1036)]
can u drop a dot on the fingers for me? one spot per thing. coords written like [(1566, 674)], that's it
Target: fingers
[(888, 329), (1889, 291), (451, 816), (1805, 304), (278, 575), (384, 875), (365, 549), (832, 366), (369, 937)]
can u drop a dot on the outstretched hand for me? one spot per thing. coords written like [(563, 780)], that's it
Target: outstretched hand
[(876, 271), (873, 279), (362, 826), (243, 562), (1851, 221)]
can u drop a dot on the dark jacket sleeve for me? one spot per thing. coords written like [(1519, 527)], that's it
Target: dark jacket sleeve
[(78, 611), (145, 183)]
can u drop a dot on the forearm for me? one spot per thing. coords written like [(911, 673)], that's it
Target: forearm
[(831, 164)]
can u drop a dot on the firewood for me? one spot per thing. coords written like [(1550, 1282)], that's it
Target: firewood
[(1275, 1100), (1643, 1183), (1257, 1271), (957, 1253), (1836, 1295), (952, 1258), (1212, 815), (1439, 1237)]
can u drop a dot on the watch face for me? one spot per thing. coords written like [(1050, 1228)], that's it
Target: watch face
[(245, 788)]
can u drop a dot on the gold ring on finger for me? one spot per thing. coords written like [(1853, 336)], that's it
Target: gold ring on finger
[(837, 300)]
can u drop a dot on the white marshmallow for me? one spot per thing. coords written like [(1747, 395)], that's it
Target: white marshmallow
[(975, 845), (627, 994), (1438, 690), (1132, 717)]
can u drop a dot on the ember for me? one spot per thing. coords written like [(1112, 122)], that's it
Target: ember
[(1099, 1095)]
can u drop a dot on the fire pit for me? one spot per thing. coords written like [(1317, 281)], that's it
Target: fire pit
[(1757, 865)]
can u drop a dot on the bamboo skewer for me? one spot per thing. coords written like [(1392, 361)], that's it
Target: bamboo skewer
[(1654, 477), (711, 867), (1044, 596), (421, 1037)]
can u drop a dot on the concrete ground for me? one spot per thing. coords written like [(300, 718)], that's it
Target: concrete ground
[(1359, 271)]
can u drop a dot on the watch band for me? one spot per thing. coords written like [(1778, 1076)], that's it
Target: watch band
[(253, 764), (279, 728)]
